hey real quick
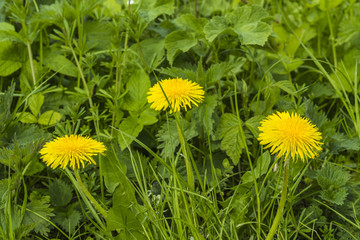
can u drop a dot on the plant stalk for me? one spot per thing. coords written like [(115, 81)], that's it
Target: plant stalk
[(88, 195), (281, 207)]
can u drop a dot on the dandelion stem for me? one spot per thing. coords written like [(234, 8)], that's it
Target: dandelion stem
[(279, 212), (189, 172), (88, 195)]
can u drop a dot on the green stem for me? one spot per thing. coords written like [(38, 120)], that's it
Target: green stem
[(189, 172), (89, 196), (279, 212)]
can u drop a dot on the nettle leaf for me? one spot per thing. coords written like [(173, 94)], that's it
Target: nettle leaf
[(331, 178), (179, 41), (12, 57), (151, 9), (183, 73), (68, 218), (60, 193), (340, 142), (8, 33), (49, 118), (253, 124), (137, 86), (286, 86), (244, 22), (35, 102), (39, 205), (169, 138), (232, 136), (153, 51), (130, 126)]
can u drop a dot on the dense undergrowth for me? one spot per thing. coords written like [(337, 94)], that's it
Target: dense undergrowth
[(85, 67)]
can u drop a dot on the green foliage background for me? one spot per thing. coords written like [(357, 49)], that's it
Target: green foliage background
[(84, 67)]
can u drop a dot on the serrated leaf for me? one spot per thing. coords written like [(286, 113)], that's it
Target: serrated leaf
[(49, 118), (59, 63), (150, 9), (39, 205), (248, 25), (216, 26), (131, 126), (204, 112), (138, 86), (26, 117), (179, 41), (253, 124), (286, 86), (337, 196), (60, 193), (169, 138), (68, 220), (35, 102), (148, 117), (232, 136), (190, 22), (4, 185), (153, 51), (179, 72)]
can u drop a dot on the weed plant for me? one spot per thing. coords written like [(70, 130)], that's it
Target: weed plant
[(76, 67)]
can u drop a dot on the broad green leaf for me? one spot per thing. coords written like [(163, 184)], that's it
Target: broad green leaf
[(124, 220), (98, 34), (286, 86), (190, 22), (12, 57), (49, 118), (26, 117), (59, 63), (150, 9), (248, 25), (7, 33), (40, 205), (262, 166), (326, 5), (216, 26), (35, 102), (204, 112), (131, 126), (68, 218), (34, 166), (232, 136), (253, 124), (148, 117), (169, 138), (4, 185), (153, 51), (112, 8), (60, 193), (137, 86), (175, 72), (179, 41)]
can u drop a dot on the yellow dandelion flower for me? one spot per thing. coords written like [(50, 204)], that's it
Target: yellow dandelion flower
[(290, 135), (73, 149), (180, 93)]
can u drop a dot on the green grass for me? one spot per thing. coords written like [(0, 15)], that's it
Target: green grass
[(84, 67)]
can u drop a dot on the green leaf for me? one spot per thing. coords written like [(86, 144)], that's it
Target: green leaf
[(148, 117), (216, 26), (169, 138), (8, 34), (183, 73), (60, 193), (38, 205), (12, 57), (137, 86), (26, 117), (131, 126), (331, 178), (253, 124), (248, 25), (204, 112), (35, 102), (262, 166), (124, 220), (153, 51), (49, 118), (59, 63), (179, 41), (150, 9), (4, 185), (244, 22), (190, 22), (286, 86), (232, 136), (68, 218)]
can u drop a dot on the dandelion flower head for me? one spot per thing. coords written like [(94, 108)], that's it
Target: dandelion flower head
[(290, 135), (73, 150), (180, 93)]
